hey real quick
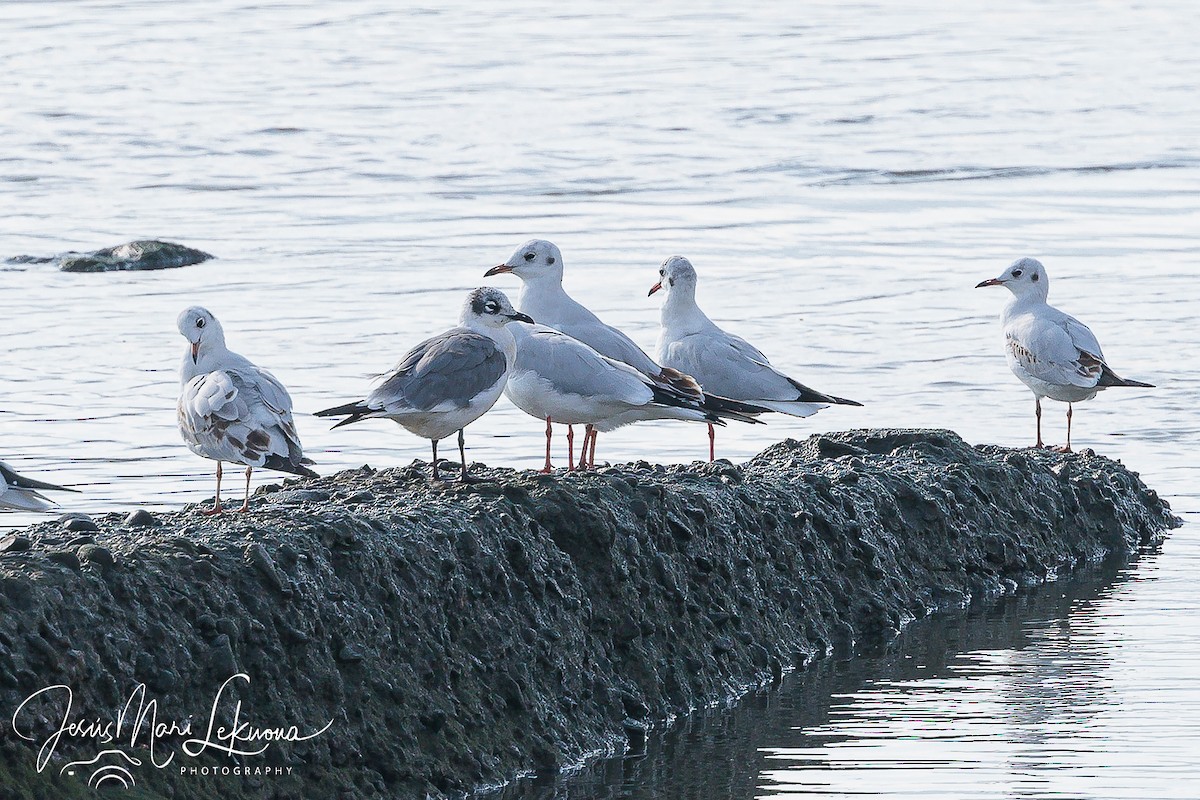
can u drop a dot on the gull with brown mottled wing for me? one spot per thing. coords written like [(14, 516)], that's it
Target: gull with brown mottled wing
[(1051, 352), (231, 410)]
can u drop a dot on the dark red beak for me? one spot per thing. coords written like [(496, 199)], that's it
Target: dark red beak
[(989, 282), (195, 351), (496, 270), (654, 288)]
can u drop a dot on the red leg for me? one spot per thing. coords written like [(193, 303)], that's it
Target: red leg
[(246, 503), (592, 452), (588, 432), (712, 442), (216, 509), (571, 448), (549, 433)]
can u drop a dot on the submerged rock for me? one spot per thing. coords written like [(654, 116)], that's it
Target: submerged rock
[(460, 636), (141, 255)]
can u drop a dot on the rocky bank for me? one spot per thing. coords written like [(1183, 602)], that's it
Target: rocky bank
[(456, 637)]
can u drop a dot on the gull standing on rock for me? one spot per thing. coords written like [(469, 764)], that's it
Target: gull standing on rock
[(1053, 353), (231, 410), (21, 493), (560, 379), (446, 382), (724, 364), (539, 265)]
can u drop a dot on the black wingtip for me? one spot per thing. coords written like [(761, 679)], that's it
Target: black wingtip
[(22, 482), (733, 409), (809, 395), (352, 411), (1109, 378), (338, 411)]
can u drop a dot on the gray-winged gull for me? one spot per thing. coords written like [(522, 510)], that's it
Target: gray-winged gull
[(723, 363), (560, 379), (22, 493), (539, 265), (448, 381)]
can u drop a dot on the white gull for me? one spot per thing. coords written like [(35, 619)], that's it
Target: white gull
[(1052, 353), (724, 364)]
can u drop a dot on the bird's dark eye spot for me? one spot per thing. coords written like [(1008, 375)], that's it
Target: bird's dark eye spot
[(670, 281), (550, 260), (1034, 277), (200, 323), (1016, 273), (530, 256)]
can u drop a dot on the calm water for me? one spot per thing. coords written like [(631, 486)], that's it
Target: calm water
[(841, 175)]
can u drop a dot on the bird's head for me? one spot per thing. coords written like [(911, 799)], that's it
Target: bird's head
[(490, 308), (675, 275), (1025, 277), (201, 329), (537, 259)]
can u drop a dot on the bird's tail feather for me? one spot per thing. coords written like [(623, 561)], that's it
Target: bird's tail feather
[(355, 411), (723, 407), (808, 395), (281, 464), (10, 476)]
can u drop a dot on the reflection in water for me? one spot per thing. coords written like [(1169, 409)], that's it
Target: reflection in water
[(1011, 701)]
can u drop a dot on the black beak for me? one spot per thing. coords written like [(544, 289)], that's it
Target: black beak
[(519, 317)]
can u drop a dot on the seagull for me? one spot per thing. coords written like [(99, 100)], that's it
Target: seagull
[(560, 379), (231, 410), (1053, 353), (21, 493), (539, 265), (723, 363), (448, 381)]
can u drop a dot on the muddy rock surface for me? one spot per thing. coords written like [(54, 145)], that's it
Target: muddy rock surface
[(140, 255), (458, 636)]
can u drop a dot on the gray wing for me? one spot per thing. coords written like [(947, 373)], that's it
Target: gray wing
[(608, 341), (572, 367), (746, 349), (273, 392), (1055, 348), (444, 372), (729, 366)]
